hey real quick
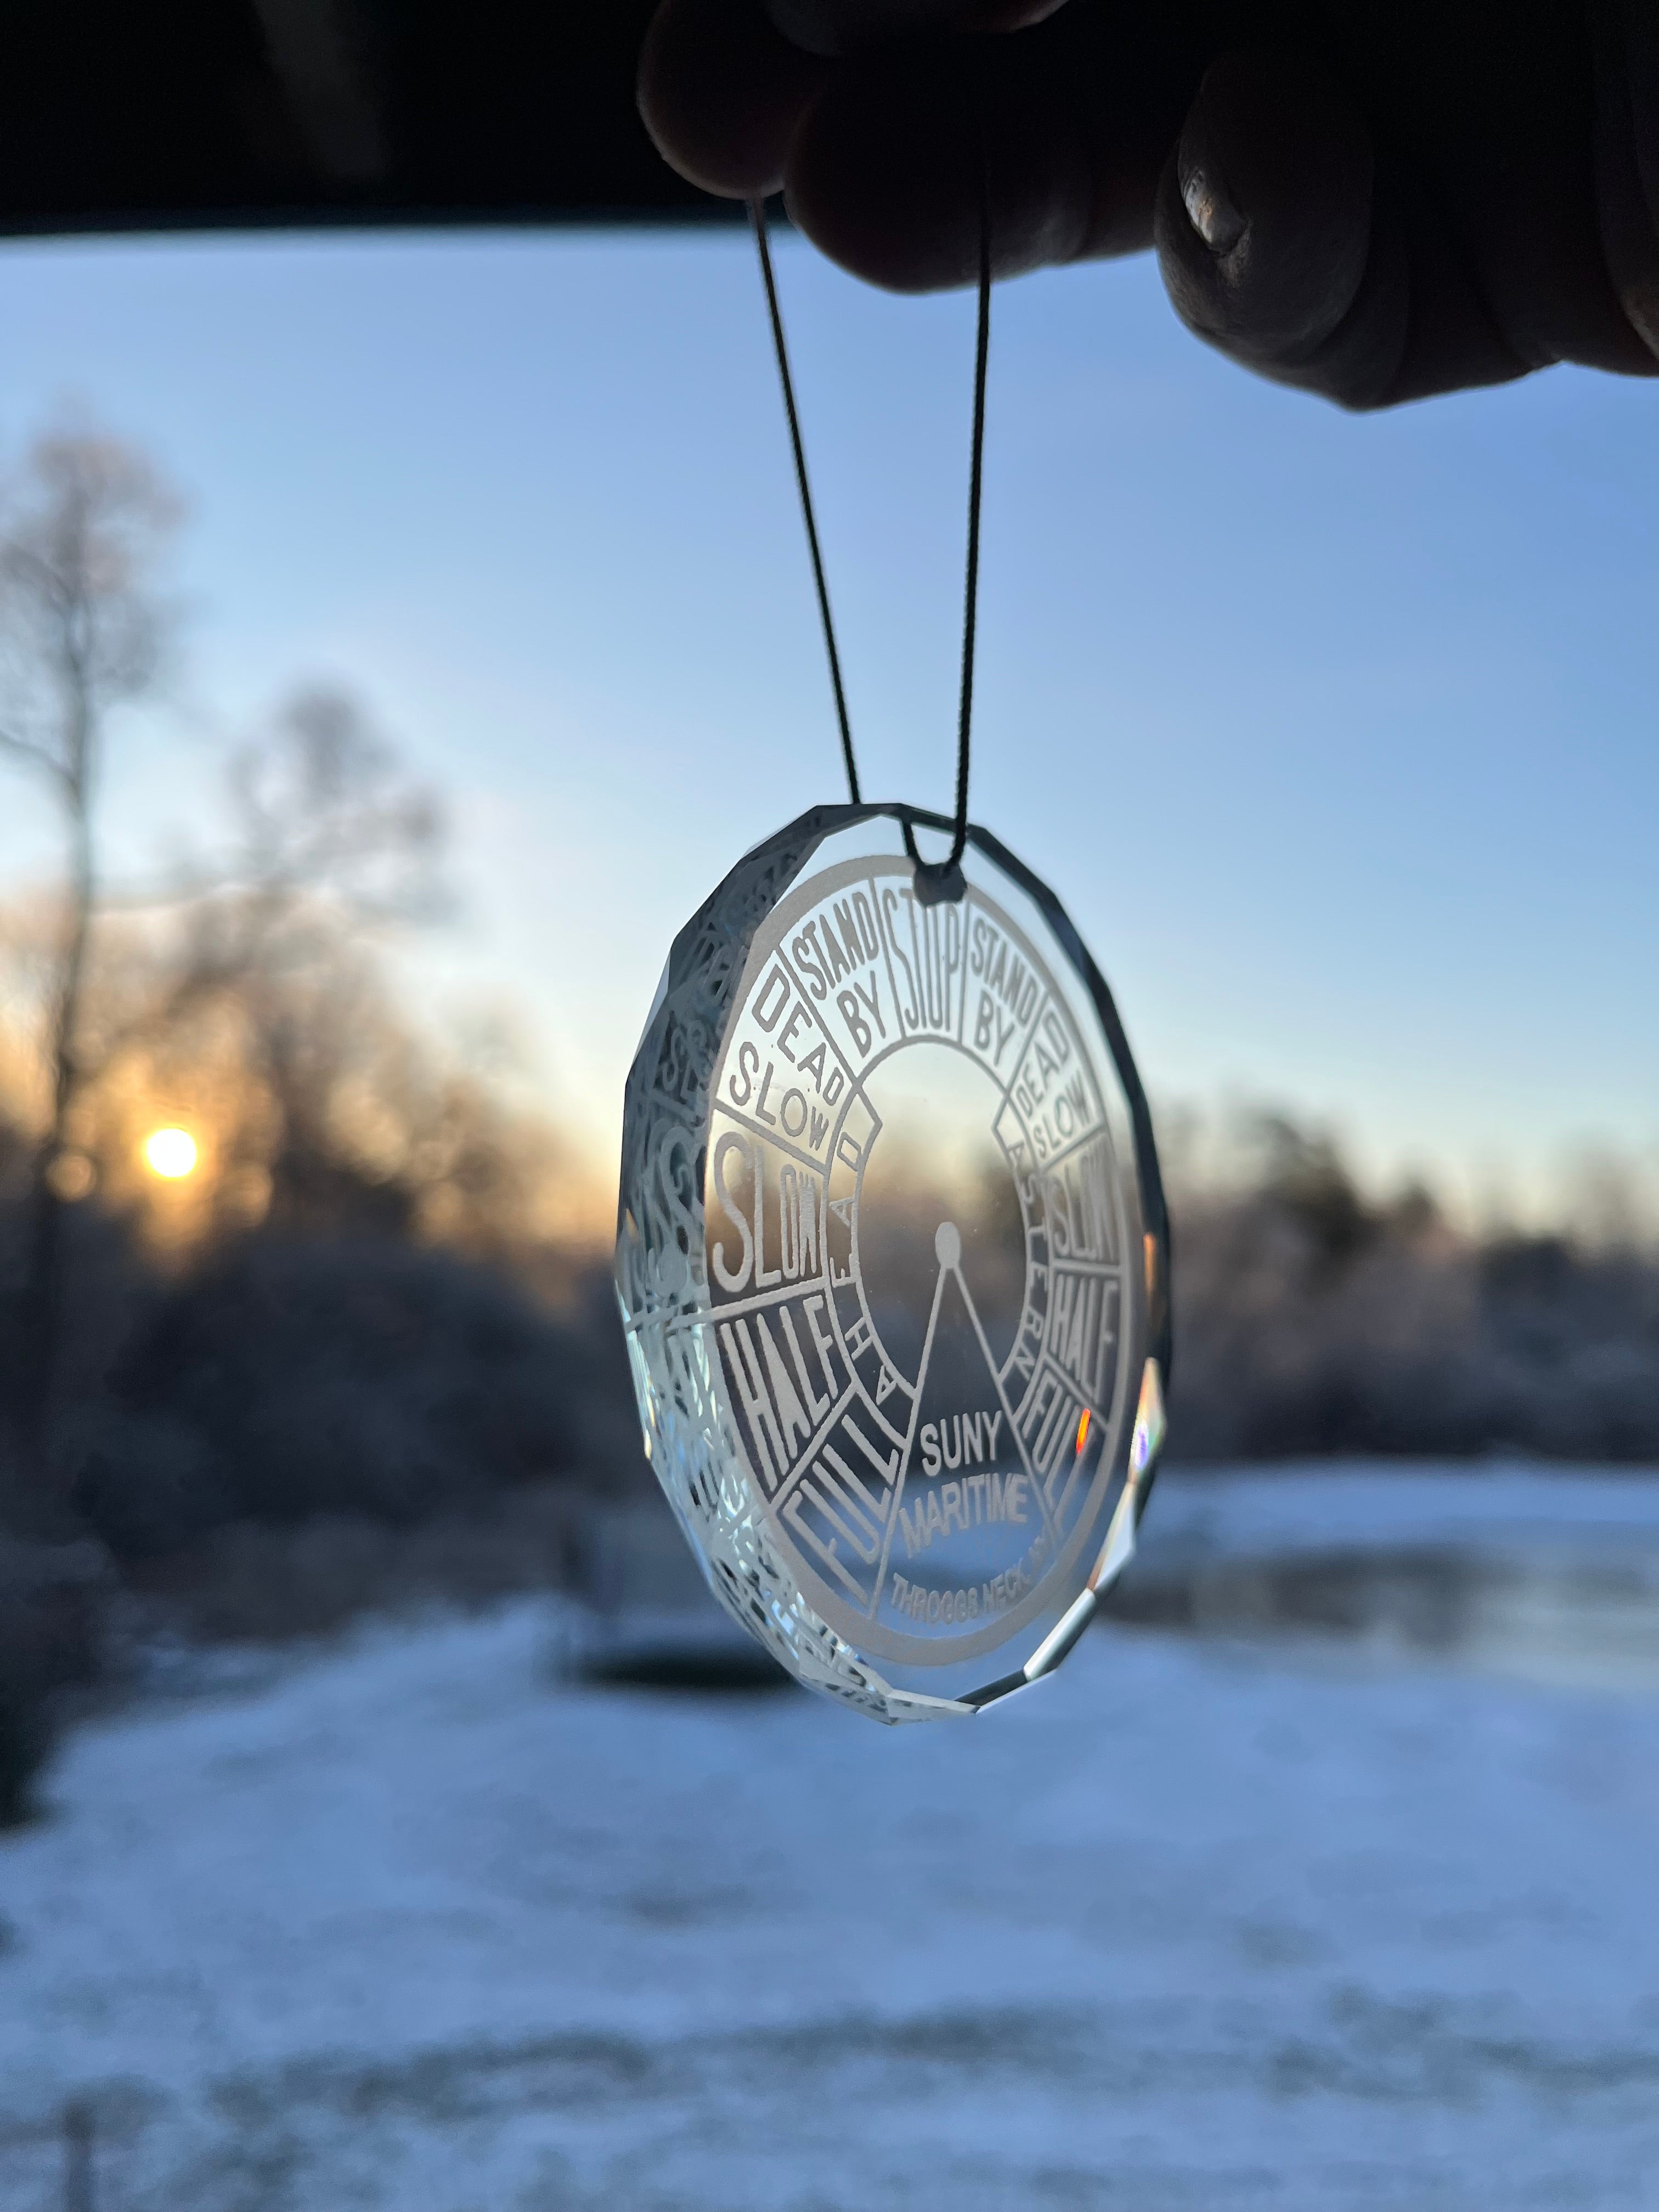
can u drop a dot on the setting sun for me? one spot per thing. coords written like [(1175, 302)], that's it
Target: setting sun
[(170, 1153)]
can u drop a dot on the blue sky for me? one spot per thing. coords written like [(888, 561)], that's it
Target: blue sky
[(1338, 736)]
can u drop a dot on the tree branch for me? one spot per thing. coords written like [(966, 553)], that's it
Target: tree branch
[(37, 756)]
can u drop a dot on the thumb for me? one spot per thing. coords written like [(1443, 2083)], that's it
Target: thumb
[(1285, 244)]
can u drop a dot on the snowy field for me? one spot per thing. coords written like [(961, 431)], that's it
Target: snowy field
[(1206, 1922)]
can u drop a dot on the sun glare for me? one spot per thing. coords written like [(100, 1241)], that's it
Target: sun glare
[(170, 1153)]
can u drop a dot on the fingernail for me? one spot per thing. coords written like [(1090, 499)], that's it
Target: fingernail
[(1212, 213)]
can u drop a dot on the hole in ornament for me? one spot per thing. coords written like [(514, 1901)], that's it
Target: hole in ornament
[(938, 1181)]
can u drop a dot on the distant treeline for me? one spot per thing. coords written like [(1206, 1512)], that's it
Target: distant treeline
[(1314, 1319), (290, 1371), (332, 1360)]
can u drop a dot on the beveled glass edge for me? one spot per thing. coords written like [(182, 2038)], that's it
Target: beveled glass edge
[(844, 1673)]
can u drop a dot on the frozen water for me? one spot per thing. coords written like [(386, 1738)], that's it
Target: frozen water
[(1200, 1923)]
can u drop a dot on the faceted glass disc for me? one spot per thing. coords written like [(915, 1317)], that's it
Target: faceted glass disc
[(894, 1265)]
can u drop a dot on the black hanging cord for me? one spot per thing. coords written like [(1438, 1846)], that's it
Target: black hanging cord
[(757, 216), (970, 590), (939, 869)]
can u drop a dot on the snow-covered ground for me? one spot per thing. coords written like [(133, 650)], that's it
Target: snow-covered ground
[(414, 1924)]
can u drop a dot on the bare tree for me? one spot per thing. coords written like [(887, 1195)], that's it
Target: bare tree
[(83, 631), (332, 834), (329, 837)]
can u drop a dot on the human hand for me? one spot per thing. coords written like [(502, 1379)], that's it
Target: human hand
[(1372, 203)]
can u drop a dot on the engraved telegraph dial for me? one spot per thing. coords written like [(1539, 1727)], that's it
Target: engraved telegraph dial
[(893, 1264)]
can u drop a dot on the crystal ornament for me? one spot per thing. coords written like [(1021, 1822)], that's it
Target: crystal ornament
[(894, 1265)]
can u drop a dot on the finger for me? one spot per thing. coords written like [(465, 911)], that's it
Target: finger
[(1627, 159), (723, 84), (722, 91), (1066, 125), (1505, 150), (885, 173), (1282, 244)]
